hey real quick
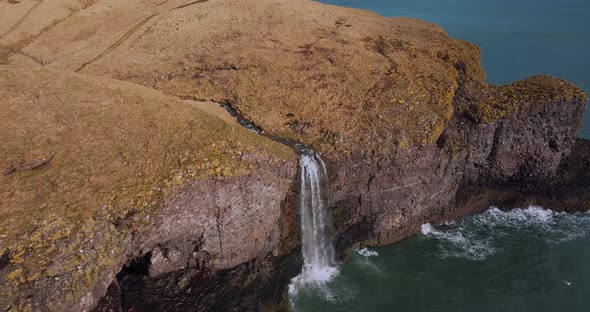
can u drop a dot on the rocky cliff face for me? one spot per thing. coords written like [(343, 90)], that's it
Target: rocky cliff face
[(113, 179), (97, 172), (471, 166)]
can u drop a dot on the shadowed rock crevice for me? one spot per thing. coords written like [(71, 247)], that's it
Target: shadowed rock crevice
[(163, 190), (111, 302), (138, 266), (256, 286), (400, 111), (4, 260)]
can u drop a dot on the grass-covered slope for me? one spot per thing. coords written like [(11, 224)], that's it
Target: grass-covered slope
[(85, 161), (343, 80)]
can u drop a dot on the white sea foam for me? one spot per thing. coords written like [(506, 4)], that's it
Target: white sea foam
[(318, 283), (426, 229), (319, 274), (533, 215), (477, 237), (366, 252), (459, 244), (364, 261)]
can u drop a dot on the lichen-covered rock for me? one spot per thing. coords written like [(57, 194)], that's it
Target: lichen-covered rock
[(384, 199), (493, 103), (99, 172), (91, 166)]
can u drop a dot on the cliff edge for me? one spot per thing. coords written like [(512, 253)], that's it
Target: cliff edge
[(119, 169)]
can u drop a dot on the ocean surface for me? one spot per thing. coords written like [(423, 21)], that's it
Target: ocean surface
[(521, 260), (518, 38)]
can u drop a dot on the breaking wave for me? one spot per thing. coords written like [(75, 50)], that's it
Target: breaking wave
[(478, 237), (366, 252)]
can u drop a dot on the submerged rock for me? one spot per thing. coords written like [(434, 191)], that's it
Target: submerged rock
[(101, 171)]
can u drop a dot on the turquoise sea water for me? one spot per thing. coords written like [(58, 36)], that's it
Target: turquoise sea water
[(516, 261), (519, 261), (519, 38)]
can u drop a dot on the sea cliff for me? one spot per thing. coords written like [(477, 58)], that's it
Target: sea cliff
[(125, 185)]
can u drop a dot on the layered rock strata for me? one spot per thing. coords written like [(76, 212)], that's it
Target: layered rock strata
[(117, 161)]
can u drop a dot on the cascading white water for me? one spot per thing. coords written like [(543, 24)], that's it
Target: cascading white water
[(319, 265), (318, 252)]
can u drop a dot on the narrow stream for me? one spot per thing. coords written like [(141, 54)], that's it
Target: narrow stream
[(319, 264)]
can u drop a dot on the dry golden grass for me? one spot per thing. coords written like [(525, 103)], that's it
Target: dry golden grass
[(496, 102), (77, 151), (340, 79), (81, 153), (343, 80)]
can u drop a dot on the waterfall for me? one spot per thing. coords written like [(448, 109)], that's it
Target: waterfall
[(319, 265), (318, 252)]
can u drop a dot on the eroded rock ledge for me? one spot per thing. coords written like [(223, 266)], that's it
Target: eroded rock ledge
[(133, 172), (106, 167)]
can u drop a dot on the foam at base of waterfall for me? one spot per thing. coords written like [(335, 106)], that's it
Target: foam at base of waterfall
[(320, 274), (480, 236), (315, 278)]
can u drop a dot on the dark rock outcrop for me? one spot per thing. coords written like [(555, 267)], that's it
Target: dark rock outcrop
[(111, 302), (568, 190), (166, 204), (256, 285), (517, 159), (134, 172)]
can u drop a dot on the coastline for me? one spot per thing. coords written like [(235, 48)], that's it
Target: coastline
[(150, 198)]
